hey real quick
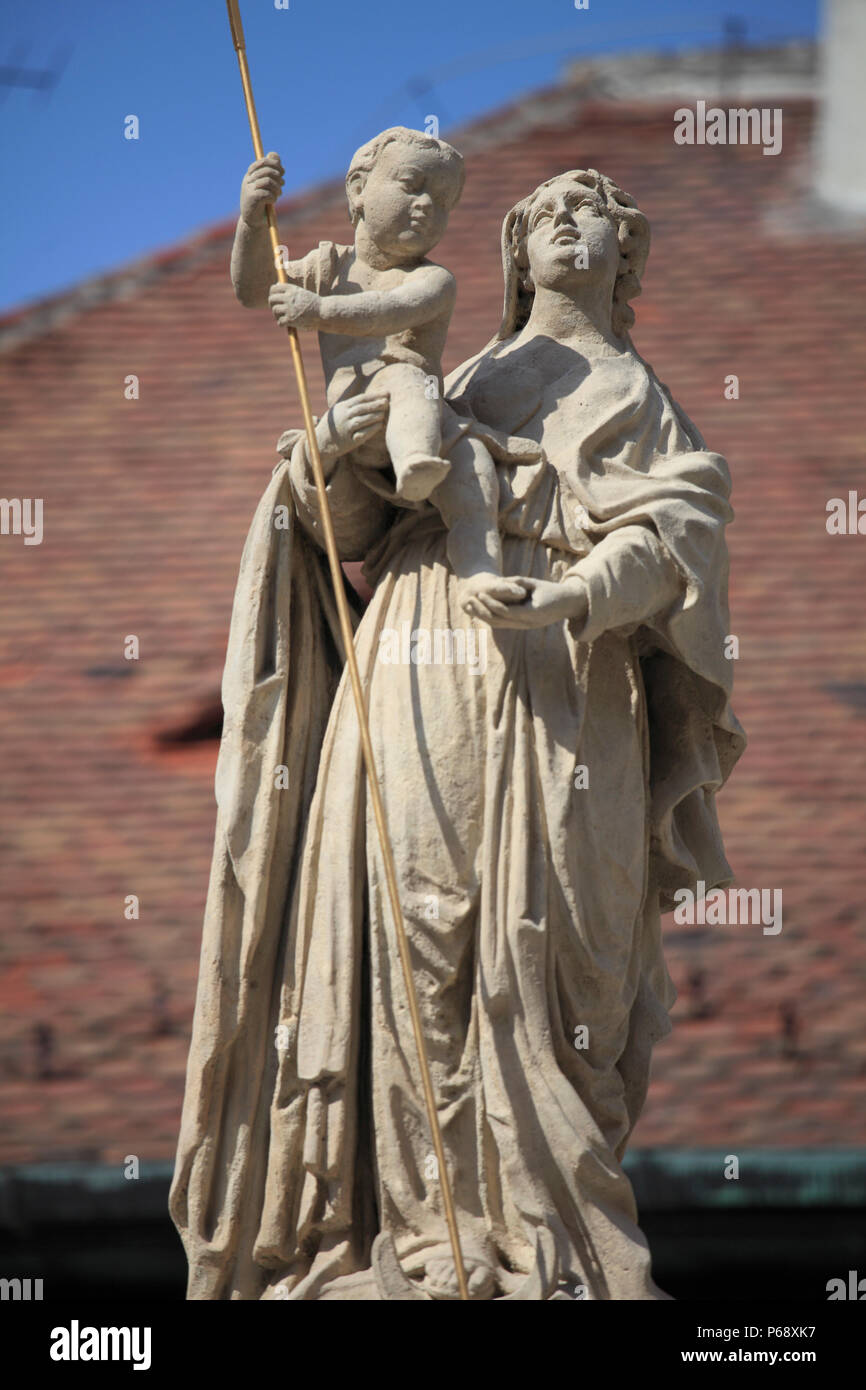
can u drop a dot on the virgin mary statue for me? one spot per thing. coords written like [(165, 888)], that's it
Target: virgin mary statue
[(545, 800)]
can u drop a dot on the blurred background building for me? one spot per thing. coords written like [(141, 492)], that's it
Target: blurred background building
[(758, 273)]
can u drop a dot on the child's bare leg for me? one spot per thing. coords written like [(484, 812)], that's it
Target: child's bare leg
[(413, 432), (468, 501)]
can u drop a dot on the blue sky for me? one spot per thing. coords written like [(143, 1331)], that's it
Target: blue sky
[(81, 199)]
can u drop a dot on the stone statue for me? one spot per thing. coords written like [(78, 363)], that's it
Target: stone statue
[(549, 708)]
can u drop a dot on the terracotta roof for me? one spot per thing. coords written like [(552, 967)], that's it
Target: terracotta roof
[(146, 504)]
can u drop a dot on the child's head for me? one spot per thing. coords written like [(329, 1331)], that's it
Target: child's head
[(403, 184)]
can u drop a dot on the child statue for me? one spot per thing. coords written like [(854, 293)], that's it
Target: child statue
[(382, 310)]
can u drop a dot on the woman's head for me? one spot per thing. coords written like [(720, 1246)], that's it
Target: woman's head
[(575, 230)]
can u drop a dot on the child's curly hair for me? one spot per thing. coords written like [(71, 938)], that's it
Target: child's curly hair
[(364, 159), (634, 238)]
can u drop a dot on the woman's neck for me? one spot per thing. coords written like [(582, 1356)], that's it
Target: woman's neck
[(555, 314)]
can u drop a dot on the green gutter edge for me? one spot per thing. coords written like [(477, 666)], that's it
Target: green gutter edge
[(663, 1180)]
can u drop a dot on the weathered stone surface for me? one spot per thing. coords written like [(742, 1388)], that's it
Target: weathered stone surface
[(548, 701)]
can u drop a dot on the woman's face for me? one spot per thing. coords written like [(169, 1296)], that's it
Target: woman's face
[(571, 242)]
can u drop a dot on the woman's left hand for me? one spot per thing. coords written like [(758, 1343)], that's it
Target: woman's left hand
[(545, 603)]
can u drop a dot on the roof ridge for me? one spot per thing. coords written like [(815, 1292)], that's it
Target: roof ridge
[(597, 78), (49, 311)]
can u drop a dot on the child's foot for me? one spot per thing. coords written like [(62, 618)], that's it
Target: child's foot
[(485, 593), (419, 474)]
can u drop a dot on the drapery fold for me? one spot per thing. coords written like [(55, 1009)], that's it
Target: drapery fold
[(274, 1184), (282, 666)]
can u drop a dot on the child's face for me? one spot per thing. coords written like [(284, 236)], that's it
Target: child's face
[(406, 200)]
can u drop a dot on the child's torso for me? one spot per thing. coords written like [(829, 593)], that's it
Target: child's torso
[(422, 345)]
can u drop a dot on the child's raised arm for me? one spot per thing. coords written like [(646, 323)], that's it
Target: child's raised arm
[(252, 266), (426, 294)]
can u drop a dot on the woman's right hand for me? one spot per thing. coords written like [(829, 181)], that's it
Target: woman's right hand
[(262, 183), (349, 424)]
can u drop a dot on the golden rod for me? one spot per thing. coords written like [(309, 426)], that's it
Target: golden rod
[(354, 675)]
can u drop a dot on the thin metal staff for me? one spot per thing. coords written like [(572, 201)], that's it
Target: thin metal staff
[(352, 663)]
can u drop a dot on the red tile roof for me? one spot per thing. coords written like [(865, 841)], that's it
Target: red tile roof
[(146, 506)]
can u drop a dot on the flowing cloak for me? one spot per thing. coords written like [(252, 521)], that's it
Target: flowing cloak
[(272, 1179)]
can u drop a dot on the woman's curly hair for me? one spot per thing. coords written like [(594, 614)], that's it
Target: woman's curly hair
[(634, 238)]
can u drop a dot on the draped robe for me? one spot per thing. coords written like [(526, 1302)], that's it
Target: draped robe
[(542, 810)]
